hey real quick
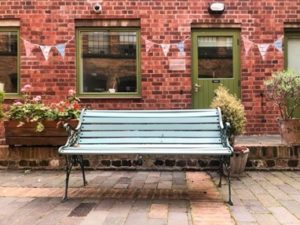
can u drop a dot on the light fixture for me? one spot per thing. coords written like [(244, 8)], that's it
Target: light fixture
[(216, 8)]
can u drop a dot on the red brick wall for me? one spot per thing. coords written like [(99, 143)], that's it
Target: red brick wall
[(48, 22)]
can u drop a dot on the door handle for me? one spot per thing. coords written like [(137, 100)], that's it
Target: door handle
[(196, 87)]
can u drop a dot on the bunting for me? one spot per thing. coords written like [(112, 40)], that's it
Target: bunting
[(263, 48), (165, 48), (61, 48), (278, 44)]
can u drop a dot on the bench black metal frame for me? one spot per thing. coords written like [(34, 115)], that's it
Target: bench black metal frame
[(144, 132)]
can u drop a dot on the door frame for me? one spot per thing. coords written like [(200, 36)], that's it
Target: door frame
[(235, 34)]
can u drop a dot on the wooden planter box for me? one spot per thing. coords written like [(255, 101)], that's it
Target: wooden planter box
[(52, 135), (290, 131)]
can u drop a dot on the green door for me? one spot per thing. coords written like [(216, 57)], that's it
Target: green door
[(216, 60)]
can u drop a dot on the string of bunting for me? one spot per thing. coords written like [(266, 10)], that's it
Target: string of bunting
[(61, 48), (165, 47), (262, 47)]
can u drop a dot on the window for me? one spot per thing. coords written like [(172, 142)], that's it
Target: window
[(9, 59), (108, 62), (292, 52)]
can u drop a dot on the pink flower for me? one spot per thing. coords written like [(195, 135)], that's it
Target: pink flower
[(17, 103), (26, 88), (37, 98), (72, 92)]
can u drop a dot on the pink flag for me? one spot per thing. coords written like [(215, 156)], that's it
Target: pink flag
[(165, 48), (263, 48), (247, 45), (149, 45), (28, 47)]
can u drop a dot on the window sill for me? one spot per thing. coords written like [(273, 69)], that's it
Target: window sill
[(109, 96)]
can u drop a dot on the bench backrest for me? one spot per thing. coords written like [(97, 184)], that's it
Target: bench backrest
[(151, 127)]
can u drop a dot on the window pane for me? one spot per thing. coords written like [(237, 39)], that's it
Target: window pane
[(9, 61), (215, 58), (109, 61), (294, 54)]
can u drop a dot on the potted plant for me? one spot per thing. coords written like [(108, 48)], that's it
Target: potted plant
[(233, 112), (31, 122), (283, 88)]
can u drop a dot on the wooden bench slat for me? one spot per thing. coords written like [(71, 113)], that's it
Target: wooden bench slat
[(157, 151), (151, 114), (113, 134), (149, 140), (163, 120), (153, 127)]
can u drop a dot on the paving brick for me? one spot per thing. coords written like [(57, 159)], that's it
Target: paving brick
[(159, 211), (283, 215)]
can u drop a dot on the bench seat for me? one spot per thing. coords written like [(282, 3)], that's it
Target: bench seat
[(147, 132)]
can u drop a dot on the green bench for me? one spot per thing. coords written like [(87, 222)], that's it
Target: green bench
[(148, 132)]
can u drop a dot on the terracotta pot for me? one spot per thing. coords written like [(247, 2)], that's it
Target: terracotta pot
[(290, 131), (54, 134)]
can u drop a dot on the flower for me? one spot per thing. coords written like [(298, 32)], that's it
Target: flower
[(71, 92), (37, 98), (32, 109)]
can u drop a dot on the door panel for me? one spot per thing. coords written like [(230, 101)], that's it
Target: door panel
[(215, 61)]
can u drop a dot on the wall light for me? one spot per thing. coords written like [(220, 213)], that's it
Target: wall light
[(216, 8)]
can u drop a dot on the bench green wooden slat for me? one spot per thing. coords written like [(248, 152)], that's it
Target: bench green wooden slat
[(147, 115), (143, 120), (149, 151), (144, 140), (153, 127), (113, 134), (194, 132)]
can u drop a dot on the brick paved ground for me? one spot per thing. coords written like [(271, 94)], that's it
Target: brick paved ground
[(118, 197), (265, 198)]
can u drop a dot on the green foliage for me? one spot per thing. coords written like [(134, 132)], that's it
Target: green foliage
[(284, 89), (1, 101), (32, 109), (232, 110)]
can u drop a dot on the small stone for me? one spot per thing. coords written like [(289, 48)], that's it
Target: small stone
[(202, 163), (181, 163), (116, 163), (170, 162), (158, 162), (270, 163), (126, 162), (54, 163), (105, 162), (192, 163)]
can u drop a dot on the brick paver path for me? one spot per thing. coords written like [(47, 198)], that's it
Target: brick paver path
[(112, 198), (265, 198)]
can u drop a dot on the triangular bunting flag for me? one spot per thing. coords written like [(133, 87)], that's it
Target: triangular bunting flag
[(180, 46), (278, 44), (149, 45), (61, 49), (247, 45), (28, 47), (263, 48), (165, 48), (45, 50)]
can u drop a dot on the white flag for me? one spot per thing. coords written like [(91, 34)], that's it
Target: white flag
[(45, 50), (263, 48), (165, 48), (61, 49)]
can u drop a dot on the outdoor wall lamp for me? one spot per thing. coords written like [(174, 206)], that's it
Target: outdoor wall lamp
[(216, 8)]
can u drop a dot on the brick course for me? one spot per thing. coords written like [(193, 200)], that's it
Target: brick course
[(47, 22)]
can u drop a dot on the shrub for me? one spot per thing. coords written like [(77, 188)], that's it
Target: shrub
[(232, 110), (284, 89)]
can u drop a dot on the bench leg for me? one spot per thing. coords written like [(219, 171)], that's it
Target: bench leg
[(221, 171), (69, 165), (227, 167), (80, 161)]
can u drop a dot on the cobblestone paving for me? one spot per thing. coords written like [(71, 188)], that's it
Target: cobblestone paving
[(265, 198), (112, 198)]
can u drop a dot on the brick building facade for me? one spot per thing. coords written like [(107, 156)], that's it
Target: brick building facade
[(157, 84)]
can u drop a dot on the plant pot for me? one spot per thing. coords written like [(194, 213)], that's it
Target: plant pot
[(238, 161), (290, 131), (54, 134)]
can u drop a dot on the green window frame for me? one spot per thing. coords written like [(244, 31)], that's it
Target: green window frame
[(290, 34), (100, 45), (15, 79)]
